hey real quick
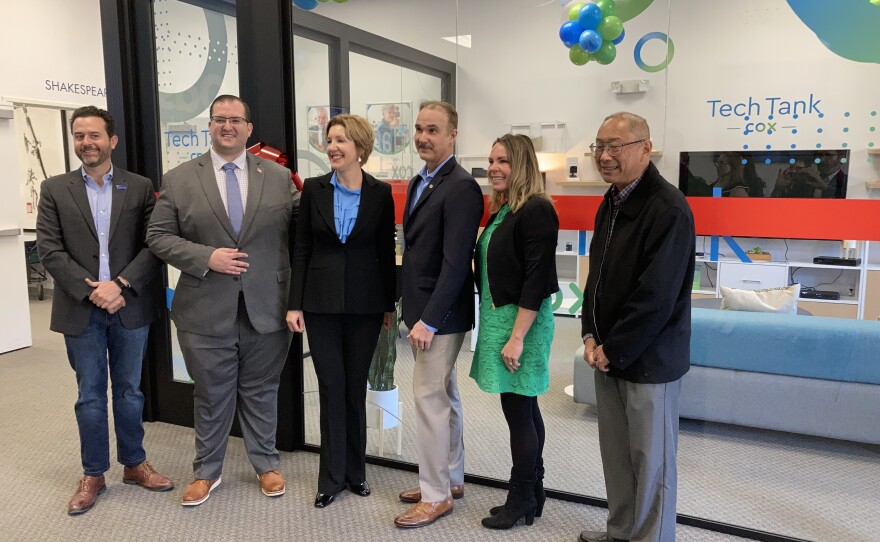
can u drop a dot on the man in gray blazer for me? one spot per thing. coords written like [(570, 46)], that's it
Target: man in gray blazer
[(226, 220), (90, 236)]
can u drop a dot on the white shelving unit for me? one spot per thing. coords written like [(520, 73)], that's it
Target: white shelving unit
[(857, 286), (569, 270), (470, 161)]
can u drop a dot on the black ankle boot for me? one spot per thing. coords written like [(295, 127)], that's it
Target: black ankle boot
[(520, 504), (540, 496)]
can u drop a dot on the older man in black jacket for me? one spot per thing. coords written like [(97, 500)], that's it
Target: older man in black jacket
[(636, 329)]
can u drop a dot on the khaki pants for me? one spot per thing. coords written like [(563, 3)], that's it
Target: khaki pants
[(438, 417)]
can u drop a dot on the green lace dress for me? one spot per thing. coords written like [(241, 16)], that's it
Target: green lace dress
[(496, 324)]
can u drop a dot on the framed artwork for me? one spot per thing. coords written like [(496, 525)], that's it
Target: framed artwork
[(392, 122), (41, 133), (317, 117)]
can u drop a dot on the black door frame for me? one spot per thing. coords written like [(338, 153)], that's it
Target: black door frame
[(265, 56)]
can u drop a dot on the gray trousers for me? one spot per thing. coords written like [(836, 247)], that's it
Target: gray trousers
[(246, 365), (438, 415), (638, 440)]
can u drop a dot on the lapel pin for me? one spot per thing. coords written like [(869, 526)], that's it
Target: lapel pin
[(430, 186), (121, 187), (259, 170)]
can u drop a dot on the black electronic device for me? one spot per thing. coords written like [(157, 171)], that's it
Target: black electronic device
[(834, 260), (765, 173), (820, 294)]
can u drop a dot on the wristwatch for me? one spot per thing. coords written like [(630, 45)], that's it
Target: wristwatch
[(122, 285)]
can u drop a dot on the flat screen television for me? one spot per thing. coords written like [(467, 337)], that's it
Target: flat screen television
[(770, 174)]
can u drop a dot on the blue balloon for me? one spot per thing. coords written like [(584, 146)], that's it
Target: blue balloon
[(618, 39), (307, 5), (590, 16), (570, 32), (590, 41)]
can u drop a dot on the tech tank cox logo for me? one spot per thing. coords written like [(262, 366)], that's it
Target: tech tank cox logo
[(766, 115)]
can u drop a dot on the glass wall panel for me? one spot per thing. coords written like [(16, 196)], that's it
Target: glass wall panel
[(196, 61), (311, 64), (750, 79), (386, 87), (391, 104), (755, 449)]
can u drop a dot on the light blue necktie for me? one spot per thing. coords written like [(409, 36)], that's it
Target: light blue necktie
[(233, 198)]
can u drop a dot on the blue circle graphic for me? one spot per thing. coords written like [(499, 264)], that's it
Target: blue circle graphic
[(670, 52)]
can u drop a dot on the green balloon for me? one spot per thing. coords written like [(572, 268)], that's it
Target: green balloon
[(340, 1), (610, 28), (578, 56), (606, 53), (574, 11), (608, 7), (630, 9)]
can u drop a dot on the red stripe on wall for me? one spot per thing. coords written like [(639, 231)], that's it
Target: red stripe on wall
[(740, 217)]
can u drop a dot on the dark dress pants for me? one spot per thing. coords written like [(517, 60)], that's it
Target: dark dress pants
[(240, 372), (342, 348)]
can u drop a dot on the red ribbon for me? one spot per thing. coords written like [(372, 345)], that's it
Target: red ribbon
[(274, 155)]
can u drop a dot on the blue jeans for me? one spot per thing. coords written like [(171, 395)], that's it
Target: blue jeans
[(106, 338)]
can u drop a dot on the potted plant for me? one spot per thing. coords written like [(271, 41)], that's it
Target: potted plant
[(382, 396), (756, 254)]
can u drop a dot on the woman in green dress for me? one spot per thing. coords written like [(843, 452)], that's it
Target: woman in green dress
[(515, 270)]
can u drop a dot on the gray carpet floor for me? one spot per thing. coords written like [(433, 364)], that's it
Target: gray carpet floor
[(39, 462), (795, 485)]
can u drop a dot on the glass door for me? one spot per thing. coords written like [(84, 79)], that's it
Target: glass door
[(196, 61)]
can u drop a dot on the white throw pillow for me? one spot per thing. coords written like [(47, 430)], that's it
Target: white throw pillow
[(781, 300)]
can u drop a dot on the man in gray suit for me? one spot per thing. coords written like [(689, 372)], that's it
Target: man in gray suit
[(90, 236), (226, 220)]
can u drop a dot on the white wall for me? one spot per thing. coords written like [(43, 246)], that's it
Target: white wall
[(58, 41), (15, 320), (55, 40)]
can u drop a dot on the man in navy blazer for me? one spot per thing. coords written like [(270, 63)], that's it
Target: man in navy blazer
[(444, 206), (91, 231)]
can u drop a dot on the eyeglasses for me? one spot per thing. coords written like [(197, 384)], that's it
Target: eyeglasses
[(235, 121), (613, 150)]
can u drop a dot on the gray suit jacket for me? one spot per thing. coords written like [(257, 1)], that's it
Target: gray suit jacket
[(67, 243), (190, 222)]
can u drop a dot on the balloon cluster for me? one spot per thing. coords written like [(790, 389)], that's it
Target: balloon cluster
[(592, 31), (309, 5)]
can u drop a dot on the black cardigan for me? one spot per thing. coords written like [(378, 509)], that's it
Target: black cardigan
[(637, 301), (521, 258)]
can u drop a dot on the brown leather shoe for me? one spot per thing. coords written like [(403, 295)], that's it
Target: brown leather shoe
[(198, 491), (271, 483), (87, 492), (146, 476), (415, 494), (424, 513)]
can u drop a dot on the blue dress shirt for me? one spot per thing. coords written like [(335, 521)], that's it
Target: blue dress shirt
[(345, 208), (426, 179), (100, 203)]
